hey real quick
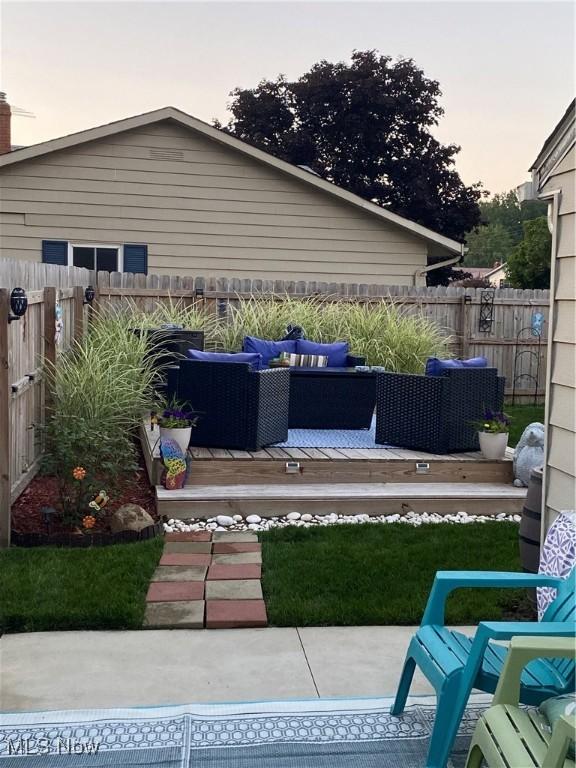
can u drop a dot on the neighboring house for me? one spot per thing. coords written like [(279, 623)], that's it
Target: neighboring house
[(168, 194), (554, 179), (496, 276)]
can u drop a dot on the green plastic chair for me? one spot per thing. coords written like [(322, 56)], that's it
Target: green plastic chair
[(509, 737)]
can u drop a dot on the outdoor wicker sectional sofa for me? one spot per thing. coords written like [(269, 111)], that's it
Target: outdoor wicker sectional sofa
[(240, 408), (436, 414)]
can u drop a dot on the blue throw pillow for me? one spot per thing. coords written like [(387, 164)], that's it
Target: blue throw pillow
[(253, 359), (337, 352), (435, 367), (267, 349)]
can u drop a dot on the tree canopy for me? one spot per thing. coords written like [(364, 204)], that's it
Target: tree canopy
[(366, 126), (529, 262), (501, 229)]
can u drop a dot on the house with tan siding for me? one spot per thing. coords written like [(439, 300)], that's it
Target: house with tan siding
[(554, 180), (166, 193)]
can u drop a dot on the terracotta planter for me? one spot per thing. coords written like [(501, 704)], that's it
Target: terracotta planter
[(181, 435), (493, 444)]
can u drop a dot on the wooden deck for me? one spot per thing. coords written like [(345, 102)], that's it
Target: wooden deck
[(275, 481), (216, 466), (342, 498)]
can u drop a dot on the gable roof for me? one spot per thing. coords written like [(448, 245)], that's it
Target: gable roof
[(192, 123)]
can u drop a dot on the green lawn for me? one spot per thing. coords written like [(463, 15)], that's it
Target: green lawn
[(57, 588), (381, 574), (522, 415)]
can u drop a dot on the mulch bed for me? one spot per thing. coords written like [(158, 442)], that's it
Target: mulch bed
[(42, 492)]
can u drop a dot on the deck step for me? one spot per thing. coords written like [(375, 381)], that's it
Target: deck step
[(201, 501)]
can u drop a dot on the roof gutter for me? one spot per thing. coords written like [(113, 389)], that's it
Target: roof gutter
[(421, 272)]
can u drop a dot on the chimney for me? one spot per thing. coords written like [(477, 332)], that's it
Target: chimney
[(5, 119)]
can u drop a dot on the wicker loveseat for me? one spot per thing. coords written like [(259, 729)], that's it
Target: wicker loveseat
[(435, 413), (241, 408)]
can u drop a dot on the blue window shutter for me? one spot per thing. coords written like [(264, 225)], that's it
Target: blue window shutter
[(136, 258), (55, 252)]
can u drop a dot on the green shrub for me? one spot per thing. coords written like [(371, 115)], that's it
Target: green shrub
[(101, 388), (383, 331)]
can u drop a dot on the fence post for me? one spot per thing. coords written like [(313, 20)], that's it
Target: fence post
[(4, 421), (49, 301), (464, 345), (78, 313)]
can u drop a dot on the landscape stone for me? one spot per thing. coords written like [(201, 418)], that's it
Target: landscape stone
[(130, 517)]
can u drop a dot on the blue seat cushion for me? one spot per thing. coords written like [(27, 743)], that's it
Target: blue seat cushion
[(267, 349), (435, 367), (253, 359), (336, 352)]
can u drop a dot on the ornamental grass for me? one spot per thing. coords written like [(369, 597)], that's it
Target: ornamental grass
[(386, 332)]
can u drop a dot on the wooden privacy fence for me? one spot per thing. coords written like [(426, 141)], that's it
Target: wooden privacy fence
[(28, 344), (456, 310)]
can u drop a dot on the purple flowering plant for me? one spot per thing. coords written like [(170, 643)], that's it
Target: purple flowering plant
[(493, 422), (175, 415)]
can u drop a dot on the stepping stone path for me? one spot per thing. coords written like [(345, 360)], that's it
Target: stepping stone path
[(207, 580)]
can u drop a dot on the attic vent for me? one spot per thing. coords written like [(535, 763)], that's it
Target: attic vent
[(166, 154)]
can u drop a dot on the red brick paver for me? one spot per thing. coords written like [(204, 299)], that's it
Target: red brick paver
[(219, 572), (177, 594), (225, 614), (174, 591), (190, 536), (182, 558)]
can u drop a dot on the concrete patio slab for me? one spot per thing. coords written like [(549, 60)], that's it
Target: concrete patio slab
[(75, 670), (360, 661)]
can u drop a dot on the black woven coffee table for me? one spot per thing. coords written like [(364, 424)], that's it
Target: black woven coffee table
[(331, 398)]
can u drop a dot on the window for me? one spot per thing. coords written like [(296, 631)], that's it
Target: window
[(98, 257), (129, 257)]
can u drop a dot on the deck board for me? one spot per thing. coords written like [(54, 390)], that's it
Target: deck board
[(346, 490)]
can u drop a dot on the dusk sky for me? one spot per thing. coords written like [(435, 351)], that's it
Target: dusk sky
[(506, 69)]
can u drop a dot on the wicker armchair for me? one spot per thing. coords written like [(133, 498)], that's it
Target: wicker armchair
[(241, 408), (434, 413)]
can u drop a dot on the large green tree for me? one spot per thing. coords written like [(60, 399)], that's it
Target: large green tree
[(487, 245), (529, 262), (501, 229), (366, 126)]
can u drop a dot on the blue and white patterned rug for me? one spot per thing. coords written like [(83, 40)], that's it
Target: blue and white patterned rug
[(294, 734), (332, 438)]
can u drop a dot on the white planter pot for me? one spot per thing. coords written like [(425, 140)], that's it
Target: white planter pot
[(181, 435), (493, 444)]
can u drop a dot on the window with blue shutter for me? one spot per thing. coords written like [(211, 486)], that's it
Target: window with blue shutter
[(136, 258), (55, 252)]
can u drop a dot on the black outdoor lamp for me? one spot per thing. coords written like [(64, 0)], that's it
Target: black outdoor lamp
[(18, 304), (89, 295)]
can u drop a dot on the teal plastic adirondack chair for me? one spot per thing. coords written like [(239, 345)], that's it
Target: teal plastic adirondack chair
[(455, 663)]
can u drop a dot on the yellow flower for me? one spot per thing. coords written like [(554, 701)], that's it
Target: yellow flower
[(487, 426)]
